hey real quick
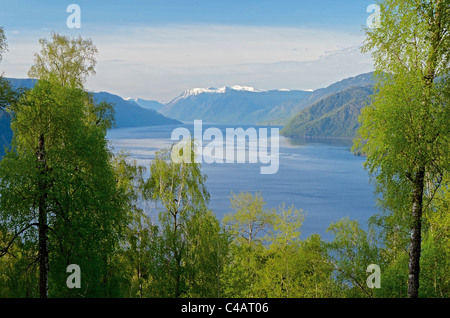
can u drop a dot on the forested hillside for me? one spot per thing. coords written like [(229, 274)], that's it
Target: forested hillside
[(334, 116)]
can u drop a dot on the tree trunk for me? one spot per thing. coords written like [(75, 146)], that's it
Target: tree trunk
[(178, 277), (419, 180), (43, 226), (43, 252), (177, 255), (416, 235)]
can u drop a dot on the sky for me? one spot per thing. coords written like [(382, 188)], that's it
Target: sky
[(156, 49)]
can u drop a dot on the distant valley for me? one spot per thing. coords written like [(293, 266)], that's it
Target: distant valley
[(330, 112), (327, 112), (148, 104)]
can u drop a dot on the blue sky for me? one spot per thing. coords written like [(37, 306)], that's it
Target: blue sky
[(155, 49), (23, 14)]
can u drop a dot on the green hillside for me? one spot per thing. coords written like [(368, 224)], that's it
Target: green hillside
[(283, 112), (333, 116)]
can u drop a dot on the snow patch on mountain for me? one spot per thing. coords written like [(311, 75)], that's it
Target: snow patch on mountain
[(221, 90)]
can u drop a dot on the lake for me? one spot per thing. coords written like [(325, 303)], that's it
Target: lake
[(320, 176)]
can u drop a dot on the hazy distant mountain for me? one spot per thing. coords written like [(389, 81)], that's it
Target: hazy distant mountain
[(22, 82), (128, 114), (241, 104), (5, 121), (330, 111), (148, 104), (235, 104), (333, 116)]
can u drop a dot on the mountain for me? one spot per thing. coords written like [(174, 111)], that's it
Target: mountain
[(127, 113), (333, 116), (282, 113), (130, 114), (5, 120), (27, 83), (242, 104), (147, 104), (235, 104), (328, 112)]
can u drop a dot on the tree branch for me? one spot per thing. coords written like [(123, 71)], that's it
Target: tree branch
[(5, 251)]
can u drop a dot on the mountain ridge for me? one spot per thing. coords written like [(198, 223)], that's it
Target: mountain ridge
[(146, 103), (127, 114), (249, 105), (333, 116), (331, 111), (228, 104)]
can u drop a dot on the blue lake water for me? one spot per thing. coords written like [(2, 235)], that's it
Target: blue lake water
[(321, 177)]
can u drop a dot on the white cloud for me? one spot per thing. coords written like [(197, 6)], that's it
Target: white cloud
[(161, 62)]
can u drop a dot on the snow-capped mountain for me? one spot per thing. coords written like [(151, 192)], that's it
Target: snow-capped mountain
[(236, 104), (221, 90), (249, 105)]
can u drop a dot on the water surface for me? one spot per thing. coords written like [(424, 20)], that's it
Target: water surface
[(321, 177)]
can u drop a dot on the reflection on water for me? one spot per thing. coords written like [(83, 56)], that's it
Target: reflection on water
[(318, 175), (303, 141)]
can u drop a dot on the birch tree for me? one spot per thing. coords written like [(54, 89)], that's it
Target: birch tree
[(405, 131)]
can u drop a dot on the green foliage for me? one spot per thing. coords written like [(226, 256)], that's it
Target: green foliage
[(18, 274), (57, 179), (179, 187), (140, 253), (404, 131), (65, 60), (406, 124), (399, 136), (436, 246), (3, 44), (246, 226), (351, 252), (317, 280), (8, 94), (190, 244), (83, 214), (208, 245), (250, 219), (283, 274), (394, 277), (278, 264)]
